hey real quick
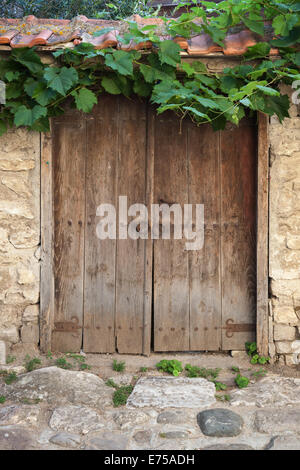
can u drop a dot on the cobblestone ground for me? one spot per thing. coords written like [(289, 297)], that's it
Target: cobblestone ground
[(53, 408)]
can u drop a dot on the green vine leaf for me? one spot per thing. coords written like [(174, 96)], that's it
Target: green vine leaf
[(257, 27), (26, 117), (39, 91), (110, 85), (169, 53), (120, 61), (60, 79), (85, 99), (29, 59), (290, 40)]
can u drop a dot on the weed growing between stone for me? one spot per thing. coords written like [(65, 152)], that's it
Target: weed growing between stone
[(223, 398), (78, 361), (121, 393), (2, 399), (31, 364), (172, 366), (9, 378), (241, 381), (118, 366), (10, 359), (251, 349)]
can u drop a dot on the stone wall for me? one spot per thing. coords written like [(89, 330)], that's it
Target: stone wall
[(19, 237), (284, 264)]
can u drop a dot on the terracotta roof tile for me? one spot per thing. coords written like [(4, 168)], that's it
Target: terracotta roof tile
[(5, 38), (202, 44), (237, 44), (30, 40), (31, 31)]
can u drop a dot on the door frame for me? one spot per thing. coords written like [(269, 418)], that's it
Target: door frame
[(262, 242)]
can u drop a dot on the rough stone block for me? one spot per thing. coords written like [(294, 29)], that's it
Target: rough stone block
[(277, 420), (25, 276), (285, 314), (9, 334), (296, 346), (30, 333), (272, 391), (168, 392), (284, 332), (31, 313), (283, 347)]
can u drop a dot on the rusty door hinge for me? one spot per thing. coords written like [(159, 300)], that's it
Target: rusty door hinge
[(67, 325), (232, 327)]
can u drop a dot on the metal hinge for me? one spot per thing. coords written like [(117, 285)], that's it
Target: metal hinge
[(67, 325), (232, 327)]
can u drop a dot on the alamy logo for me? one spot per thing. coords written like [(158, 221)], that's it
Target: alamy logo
[(186, 222)]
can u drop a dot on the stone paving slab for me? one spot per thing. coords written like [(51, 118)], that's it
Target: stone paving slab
[(270, 391), (290, 442), (75, 419), (168, 392), (277, 420), (56, 385)]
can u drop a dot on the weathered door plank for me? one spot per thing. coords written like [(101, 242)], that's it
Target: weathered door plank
[(69, 220), (204, 264), (238, 233), (171, 274), (130, 262), (100, 187)]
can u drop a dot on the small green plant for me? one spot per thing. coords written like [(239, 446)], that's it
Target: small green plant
[(76, 357), (171, 366), (224, 397), (259, 373), (143, 369), (49, 355), (10, 378), (84, 366), (251, 349), (2, 399), (10, 359), (194, 371), (241, 381), (63, 363), (118, 366), (111, 383), (121, 395), (31, 364), (235, 370), (28, 401), (219, 386)]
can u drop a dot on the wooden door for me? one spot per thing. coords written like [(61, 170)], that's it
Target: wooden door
[(107, 291)]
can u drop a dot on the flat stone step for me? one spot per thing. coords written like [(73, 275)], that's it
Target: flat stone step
[(271, 391), (172, 392)]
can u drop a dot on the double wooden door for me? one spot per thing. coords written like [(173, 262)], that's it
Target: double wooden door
[(134, 295)]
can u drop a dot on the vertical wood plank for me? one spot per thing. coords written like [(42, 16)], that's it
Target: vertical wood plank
[(130, 262), (262, 332), (69, 219), (171, 275), (204, 264), (47, 278), (238, 232), (149, 182), (99, 290)]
